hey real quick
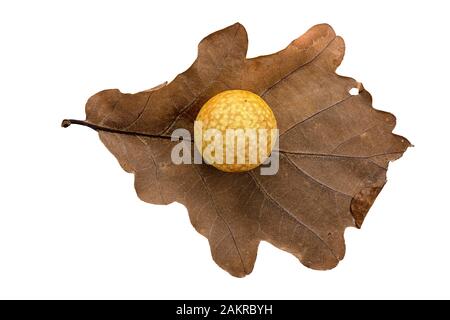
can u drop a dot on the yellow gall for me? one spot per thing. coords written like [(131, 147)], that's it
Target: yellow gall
[(235, 131)]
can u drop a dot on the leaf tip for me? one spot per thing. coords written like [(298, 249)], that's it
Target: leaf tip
[(238, 25)]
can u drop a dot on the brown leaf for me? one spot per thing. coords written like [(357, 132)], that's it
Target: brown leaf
[(334, 149)]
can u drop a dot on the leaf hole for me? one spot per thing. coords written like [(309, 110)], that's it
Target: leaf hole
[(354, 91)]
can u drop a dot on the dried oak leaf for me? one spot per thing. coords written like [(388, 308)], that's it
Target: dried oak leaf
[(334, 149)]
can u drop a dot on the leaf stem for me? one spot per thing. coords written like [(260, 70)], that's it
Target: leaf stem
[(67, 122)]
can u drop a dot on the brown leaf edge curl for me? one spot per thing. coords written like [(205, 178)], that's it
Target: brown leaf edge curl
[(334, 149)]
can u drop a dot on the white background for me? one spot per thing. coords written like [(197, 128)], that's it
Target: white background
[(71, 225)]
